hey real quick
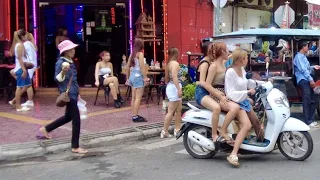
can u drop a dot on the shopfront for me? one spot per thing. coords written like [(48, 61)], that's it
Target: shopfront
[(108, 25)]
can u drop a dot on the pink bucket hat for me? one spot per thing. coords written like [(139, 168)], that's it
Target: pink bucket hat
[(66, 45)]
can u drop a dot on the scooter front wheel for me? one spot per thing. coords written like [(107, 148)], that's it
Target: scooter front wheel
[(195, 150), (297, 146)]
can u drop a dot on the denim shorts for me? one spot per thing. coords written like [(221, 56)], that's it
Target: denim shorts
[(135, 79), (200, 93), (22, 82), (245, 105)]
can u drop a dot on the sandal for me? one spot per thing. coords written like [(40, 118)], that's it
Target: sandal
[(44, 133), (79, 151), (233, 160), (227, 138)]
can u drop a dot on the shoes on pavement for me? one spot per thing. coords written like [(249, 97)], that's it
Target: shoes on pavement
[(314, 125), (28, 104), (23, 109), (165, 134)]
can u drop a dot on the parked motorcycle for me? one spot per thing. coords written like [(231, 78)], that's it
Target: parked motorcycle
[(290, 134)]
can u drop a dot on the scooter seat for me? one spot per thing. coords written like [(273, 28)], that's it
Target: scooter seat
[(197, 105)]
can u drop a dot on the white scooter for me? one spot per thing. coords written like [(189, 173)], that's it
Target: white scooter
[(290, 134)]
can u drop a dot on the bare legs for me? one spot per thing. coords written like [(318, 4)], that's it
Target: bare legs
[(29, 90), (114, 86), (174, 107), (245, 128), (18, 94), (258, 129), (212, 105), (136, 100), (232, 109)]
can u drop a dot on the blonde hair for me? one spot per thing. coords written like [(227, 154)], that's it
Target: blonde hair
[(17, 38), (173, 55), (238, 55)]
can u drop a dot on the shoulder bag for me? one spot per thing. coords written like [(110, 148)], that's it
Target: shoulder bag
[(64, 98)]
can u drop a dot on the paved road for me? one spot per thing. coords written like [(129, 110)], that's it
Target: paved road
[(158, 159)]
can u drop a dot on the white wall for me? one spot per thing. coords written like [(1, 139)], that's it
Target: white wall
[(244, 18)]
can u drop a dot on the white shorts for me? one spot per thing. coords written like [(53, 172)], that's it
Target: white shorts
[(172, 92), (31, 72)]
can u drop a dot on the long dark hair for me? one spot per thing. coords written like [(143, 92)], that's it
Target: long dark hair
[(137, 47)]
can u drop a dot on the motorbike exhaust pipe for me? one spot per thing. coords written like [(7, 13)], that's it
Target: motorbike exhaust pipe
[(201, 140)]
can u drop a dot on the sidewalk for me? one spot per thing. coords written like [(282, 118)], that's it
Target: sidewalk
[(18, 130)]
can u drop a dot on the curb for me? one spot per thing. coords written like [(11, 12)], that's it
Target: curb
[(10, 152)]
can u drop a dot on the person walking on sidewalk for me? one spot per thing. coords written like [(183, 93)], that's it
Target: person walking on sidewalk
[(20, 72), (65, 70), (31, 55), (136, 78), (305, 81), (174, 93)]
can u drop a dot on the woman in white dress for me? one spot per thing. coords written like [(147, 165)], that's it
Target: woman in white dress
[(238, 88)]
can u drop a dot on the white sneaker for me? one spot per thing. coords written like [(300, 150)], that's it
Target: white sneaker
[(314, 125), (11, 103), (164, 105), (165, 135), (23, 109), (28, 103), (175, 132)]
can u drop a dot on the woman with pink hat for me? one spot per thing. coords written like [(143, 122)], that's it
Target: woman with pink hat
[(66, 77)]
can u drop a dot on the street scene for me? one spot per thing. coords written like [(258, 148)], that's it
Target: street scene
[(154, 89)]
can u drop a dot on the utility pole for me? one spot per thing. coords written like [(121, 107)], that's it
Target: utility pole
[(217, 14)]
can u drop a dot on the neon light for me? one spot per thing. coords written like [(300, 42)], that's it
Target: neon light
[(17, 14), (34, 12), (26, 18), (165, 28), (141, 5), (35, 35), (9, 20), (154, 32), (130, 24)]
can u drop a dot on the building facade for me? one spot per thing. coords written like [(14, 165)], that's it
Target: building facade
[(179, 23)]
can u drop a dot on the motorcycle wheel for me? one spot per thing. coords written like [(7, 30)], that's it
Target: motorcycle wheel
[(199, 152), (296, 141)]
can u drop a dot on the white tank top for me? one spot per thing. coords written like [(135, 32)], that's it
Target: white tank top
[(31, 52), (17, 67)]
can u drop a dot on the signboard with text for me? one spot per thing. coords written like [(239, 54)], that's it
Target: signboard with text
[(314, 15)]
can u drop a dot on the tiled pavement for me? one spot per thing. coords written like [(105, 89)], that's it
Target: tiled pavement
[(23, 127)]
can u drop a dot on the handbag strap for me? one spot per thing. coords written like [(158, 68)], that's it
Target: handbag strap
[(69, 84)]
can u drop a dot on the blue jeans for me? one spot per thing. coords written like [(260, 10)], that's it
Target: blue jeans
[(309, 101)]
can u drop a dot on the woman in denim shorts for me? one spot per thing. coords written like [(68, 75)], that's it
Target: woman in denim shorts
[(20, 71), (204, 89), (137, 77)]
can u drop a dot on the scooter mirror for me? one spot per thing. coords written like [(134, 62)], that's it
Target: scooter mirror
[(249, 75)]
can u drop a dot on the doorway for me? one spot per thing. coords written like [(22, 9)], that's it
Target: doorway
[(94, 28)]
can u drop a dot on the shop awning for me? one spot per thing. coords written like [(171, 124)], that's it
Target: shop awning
[(315, 34), (239, 40)]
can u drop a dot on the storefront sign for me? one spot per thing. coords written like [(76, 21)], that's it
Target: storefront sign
[(113, 16), (314, 15)]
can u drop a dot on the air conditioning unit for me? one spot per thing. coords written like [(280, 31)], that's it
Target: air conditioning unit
[(249, 2), (267, 3)]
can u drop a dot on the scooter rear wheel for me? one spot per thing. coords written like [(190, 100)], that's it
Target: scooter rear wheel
[(198, 153), (296, 142)]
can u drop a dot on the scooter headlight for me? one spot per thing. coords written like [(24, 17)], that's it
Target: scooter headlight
[(282, 100)]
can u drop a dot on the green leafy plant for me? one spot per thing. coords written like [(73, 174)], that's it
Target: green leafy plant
[(188, 92)]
